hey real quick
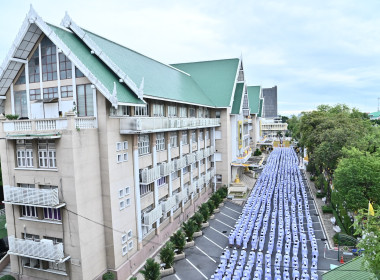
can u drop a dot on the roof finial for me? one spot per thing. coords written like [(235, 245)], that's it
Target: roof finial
[(141, 90), (66, 21)]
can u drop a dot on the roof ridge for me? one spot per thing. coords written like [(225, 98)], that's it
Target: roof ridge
[(113, 42), (200, 61)]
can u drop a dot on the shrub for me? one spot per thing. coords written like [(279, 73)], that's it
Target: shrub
[(204, 210), (320, 194), (223, 192), (343, 241), (179, 240), (189, 229), (327, 209), (133, 278), (257, 152), (7, 277), (217, 199), (106, 276), (312, 178), (198, 219), (151, 270), (167, 255), (211, 207), (11, 117)]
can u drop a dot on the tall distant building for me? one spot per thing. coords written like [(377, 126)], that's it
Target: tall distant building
[(270, 102)]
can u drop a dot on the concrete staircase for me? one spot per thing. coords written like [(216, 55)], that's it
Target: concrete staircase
[(6, 270)]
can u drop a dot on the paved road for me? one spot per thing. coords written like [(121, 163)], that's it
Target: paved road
[(202, 259)]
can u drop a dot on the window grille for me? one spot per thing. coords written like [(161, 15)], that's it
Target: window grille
[(172, 111), (158, 110), (24, 154), (160, 141), (183, 112), (46, 154), (142, 110), (173, 139), (143, 144), (184, 138)]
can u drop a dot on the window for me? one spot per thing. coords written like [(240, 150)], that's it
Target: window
[(172, 111), (158, 110), (121, 205), (78, 73), (127, 190), (34, 68), (125, 157), (207, 113), (120, 111), (52, 214), (66, 91), (185, 169), (50, 93), (160, 141), (29, 211), (129, 234), (119, 158), (65, 67), (32, 237), (143, 144), (183, 112), (162, 181), (193, 136), (119, 146), (125, 145), (144, 189), (201, 135), (194, 165), (173, 139), (130, 245), (200, 113), (217, 114), (218, 178), (142, 110), (85, 101), (21, 80), (207, 134), (174, 175), (21, 106), (192, 112), (24, 153), (202, 161), (124, 250), (48, 60), (121, 193), (123, 239), (47, 154), (184, 138), (35, 94), (127, 202)]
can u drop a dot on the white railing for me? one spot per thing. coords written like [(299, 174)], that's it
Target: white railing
[(168, 204), (212, 150), (43, 249), (207, 152), (133, 124), (190, 158), (167, 168), (201, 182), (212, 172), (150, 175), (180, 163), (192, 188), (31, 196), (207, 177), (51, 124), (244, 157), (153, 216), (85, 122), (199, 155), (181, 196)]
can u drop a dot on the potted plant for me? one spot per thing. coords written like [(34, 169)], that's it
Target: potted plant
[(198, 219), (217, 200), (108, 276), (11, 117), (179, 241), (189, 228), (151, 270), (211, 207), (204, 210), (167, 257)]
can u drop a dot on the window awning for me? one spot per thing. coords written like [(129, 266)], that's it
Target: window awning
[(33, 136)]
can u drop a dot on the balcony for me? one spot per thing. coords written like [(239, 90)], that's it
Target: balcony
[(245, 156), (199, 155), (192, 188), (167, 168), (44, 249), (180, 163), (47, 198), (150, 175), (131, 125), (152, 216), (181, 196), (36, 127), (168, 204), (190, 158)]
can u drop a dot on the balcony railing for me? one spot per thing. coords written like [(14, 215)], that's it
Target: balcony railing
[(192, 188), (212, 172), (44, 249), (167, 168), (150, 175), (181, 196), (244, 157), (190, 158), (39, 125), (180, 163), (207, 177), (31, 196), (152, 216), (150, 124), (169, 204), (199, 155)]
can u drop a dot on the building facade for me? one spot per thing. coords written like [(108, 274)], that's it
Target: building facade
[(105, 152), (270, 102)]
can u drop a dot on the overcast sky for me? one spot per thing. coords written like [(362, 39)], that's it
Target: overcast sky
[(316, 51)]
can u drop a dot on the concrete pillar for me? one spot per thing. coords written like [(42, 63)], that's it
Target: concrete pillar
[(137, 190)]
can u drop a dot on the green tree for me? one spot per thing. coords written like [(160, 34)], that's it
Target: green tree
[(167, 255), (368, 227), (179, 240), (357, 178), (107, 276), (151, 270), (198, 219), (210, 206), (204, 210), (189, 228)]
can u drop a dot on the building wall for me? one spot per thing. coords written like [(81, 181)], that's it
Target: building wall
[(270, 102)]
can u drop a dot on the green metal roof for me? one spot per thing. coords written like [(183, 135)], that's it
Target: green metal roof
[(261, 107), (374, 115), (216, 78), (95, 66), (351, 270), (254, 98), (160, 80), (236, 105)]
